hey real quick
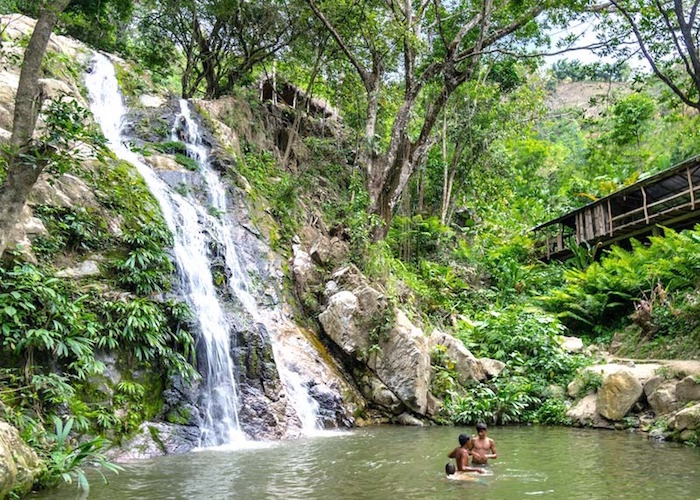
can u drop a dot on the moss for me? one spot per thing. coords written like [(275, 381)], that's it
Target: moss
[(179, 416), (155, 435)]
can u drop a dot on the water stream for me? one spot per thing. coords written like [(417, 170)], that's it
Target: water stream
[(194, 226), (401, 463)]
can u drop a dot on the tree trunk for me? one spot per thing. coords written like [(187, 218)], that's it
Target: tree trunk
[(22, 173)]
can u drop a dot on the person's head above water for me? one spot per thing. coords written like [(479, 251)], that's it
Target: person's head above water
[(463, 439), (450, 469), (480, 427)]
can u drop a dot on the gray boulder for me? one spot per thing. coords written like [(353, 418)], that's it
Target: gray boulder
[(155, 439)]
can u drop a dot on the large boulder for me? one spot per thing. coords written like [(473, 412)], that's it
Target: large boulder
[(404, 363), (376, 391), (571, 344), (585, 413), (340, 322), (19, 464), (468, 368), (661, 396), (688, 389), (617, 394), (688, 418)]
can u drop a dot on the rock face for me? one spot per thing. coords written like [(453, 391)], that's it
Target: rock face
[(342, 322), (19, 464), (404, 365), (466, 365), (617, 394)]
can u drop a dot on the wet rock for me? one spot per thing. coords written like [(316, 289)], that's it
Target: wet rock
[(465, 364), (658, 435), (155, 439), (408, 419), (19, 464), (617, 394)]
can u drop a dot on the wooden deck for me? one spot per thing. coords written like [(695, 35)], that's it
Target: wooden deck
[(670, 198)]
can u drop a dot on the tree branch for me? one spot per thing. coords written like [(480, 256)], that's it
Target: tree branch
[(364, 73)]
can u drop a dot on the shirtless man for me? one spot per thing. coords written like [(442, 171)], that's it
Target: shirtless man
[(461, 456), (482, 447)]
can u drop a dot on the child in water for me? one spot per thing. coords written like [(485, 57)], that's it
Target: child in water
[(454, 474)]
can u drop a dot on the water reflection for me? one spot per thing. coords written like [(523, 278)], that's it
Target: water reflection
[(399, 463)]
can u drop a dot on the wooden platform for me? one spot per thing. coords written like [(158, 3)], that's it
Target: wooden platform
[(670, 198)]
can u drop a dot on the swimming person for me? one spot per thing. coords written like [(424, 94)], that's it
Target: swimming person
[(452, 473), (482, 447), (461, 456)]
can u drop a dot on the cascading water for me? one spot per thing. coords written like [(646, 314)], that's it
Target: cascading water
[(193, 226), (239, 281), (189, 223)]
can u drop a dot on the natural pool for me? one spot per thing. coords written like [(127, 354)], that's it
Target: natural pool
[(401, 462)]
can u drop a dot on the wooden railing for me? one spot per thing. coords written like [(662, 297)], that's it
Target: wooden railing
[(666, 198)]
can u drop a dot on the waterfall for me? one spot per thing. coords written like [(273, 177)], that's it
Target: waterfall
[(189, 222), (187, 130), (193, 225)]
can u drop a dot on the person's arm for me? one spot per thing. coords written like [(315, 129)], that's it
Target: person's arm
[(474, 469), (452, 454), (493, 453)]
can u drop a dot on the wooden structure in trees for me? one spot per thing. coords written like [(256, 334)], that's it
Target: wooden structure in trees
[(670, 198)]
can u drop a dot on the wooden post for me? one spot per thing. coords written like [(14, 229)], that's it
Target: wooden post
[(560, 239), (646, 211), (610, 218), (547, 243), (690, 186)]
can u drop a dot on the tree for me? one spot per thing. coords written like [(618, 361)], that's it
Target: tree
[(223, 40), (666, 33), (25, 159), (433, 47)]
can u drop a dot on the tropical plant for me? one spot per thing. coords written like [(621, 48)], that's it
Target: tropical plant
[(65, 460)]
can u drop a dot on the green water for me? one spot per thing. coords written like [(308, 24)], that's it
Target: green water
[(399, 463)]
